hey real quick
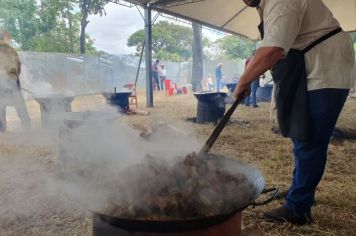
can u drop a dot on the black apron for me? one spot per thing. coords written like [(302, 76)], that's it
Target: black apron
[(291, 94)]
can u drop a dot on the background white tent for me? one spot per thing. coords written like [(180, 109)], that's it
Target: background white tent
[(233, 16)]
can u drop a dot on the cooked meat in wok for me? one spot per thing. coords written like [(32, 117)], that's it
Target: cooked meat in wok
[(193, 187)]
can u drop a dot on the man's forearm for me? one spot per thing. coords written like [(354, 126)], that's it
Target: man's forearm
[(264, 59)]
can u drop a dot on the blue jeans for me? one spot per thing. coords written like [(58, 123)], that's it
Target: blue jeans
[(155, 80), (310, 157), (161, 80), (218, 84), (254, 86)]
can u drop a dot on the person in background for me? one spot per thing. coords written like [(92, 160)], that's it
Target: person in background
[(254, 86), (218, 76), (10, 89), (155, 75), (204, 85), (210, 82), (162, 73), (223, 82), (207, 83), (235, 79), (311, 59)]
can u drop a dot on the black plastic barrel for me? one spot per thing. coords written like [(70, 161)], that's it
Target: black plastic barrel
[(264, 94), (211, 107), (231, 87), (119, 100)]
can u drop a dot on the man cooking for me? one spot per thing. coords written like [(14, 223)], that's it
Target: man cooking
[(311, 59), (10, 93)]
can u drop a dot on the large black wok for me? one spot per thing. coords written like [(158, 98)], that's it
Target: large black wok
[(165, 226), (253, 179)]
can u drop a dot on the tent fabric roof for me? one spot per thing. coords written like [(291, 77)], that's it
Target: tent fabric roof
[(234, 17)]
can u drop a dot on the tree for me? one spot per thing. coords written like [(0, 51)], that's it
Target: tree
[(67, 12), (46, 25), (236, 47), (169, 41), (197, 73), (88, 7), (20, 18), (75, 38), (54, 34)]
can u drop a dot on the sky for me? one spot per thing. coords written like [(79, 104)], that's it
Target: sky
[(111, 32)]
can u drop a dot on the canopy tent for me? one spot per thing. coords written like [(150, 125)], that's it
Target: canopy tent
[(234, 17)]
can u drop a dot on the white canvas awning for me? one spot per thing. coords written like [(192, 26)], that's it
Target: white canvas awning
[(233, 16)]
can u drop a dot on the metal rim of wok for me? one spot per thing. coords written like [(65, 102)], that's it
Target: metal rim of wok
[(175, 226), (211, 97)]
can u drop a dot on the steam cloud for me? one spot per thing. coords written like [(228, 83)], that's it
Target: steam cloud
[(86, 152), (98, 147), (41, 168)]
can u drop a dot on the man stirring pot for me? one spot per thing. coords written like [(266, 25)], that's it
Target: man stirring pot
[(311, 60)]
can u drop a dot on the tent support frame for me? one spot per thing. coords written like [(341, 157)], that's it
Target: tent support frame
[(148, 55)]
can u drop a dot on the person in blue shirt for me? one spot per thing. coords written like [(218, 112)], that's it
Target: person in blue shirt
[(218, 76)]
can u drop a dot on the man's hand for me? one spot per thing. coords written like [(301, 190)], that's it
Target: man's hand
[(242, 90), (264, 59)]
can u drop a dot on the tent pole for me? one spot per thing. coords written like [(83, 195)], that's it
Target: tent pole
[(148, 55)]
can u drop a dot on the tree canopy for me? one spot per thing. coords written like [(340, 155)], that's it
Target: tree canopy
[(45, 25), (234, 47), (169, 41), (89, 7)]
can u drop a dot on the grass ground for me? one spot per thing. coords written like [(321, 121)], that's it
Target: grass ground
[(30, 205)]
